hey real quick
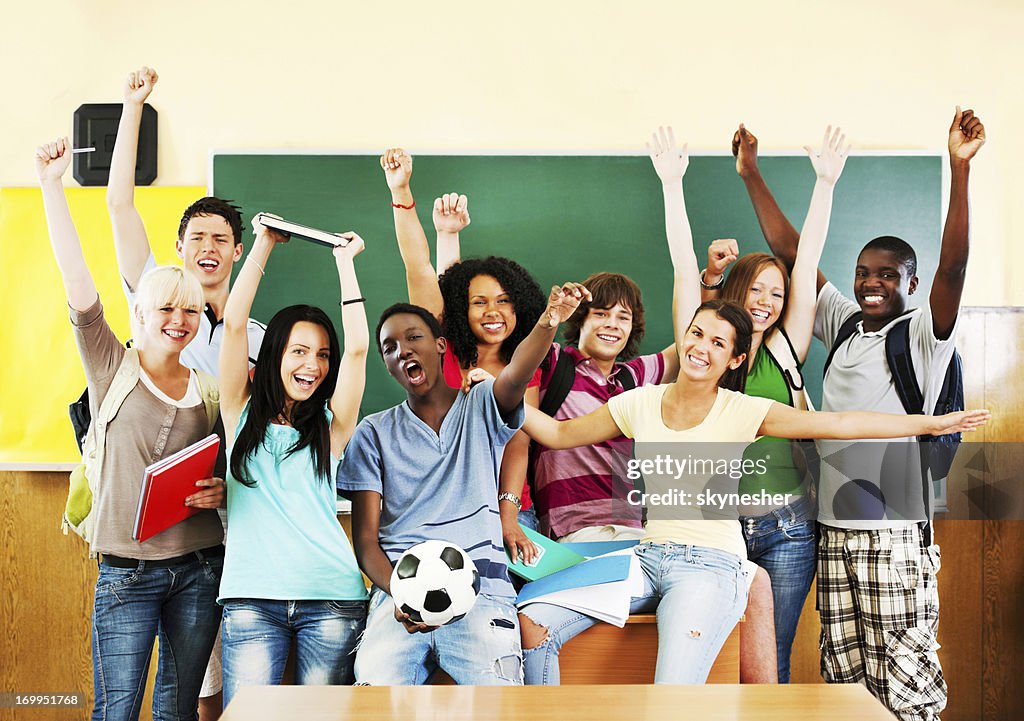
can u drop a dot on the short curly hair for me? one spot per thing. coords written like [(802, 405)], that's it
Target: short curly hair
[(607, 289), (528, 302)]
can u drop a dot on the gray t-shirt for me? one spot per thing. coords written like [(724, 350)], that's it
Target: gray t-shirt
[(859, 379), (437, 486), (144, 430)]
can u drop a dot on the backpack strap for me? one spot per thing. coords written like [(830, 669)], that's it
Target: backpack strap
[(780, 349), (125, 379), (626, 379), (562, 377), (846, 330), (901, 365), (210, 391)]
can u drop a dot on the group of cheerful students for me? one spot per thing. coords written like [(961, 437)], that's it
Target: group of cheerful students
[(474, 341)]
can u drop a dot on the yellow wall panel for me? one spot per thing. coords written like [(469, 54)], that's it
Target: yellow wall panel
[(39, 363)]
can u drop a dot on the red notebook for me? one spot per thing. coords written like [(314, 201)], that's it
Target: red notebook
[(168, 483)]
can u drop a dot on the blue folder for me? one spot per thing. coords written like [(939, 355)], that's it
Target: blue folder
[(607, 569)]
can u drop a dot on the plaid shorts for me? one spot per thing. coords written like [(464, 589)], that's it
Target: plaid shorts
[(879, 606)]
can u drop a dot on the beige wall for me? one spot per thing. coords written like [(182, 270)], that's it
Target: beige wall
[(563, 75)]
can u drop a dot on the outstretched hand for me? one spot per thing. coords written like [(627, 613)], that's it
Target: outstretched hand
[(829, 161), (960, 422), (721, 253), (53, 159), (563, 302), (669, 161), (397, 166), (139, 85), (744, 147), (966, 135), (352, 247), (451, 213)]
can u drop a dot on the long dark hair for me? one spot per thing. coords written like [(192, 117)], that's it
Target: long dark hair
[(528, 302), (267, 400), (734, 379)]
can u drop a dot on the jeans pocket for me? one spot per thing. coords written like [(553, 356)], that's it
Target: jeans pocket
[(347, 609), (113, 579), (213, 568), (716, 560), (799, 531)]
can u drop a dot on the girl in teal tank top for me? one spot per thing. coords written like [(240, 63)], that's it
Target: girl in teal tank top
[(289, 571), (780, 539)]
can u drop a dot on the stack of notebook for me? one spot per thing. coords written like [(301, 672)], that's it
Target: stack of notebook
[(600, 586)]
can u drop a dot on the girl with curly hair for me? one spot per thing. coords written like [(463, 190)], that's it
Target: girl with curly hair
[(486, 307)]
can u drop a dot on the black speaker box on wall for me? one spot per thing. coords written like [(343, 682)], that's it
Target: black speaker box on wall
[(96, 126)]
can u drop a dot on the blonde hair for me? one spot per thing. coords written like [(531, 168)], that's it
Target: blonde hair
[(166, 285)]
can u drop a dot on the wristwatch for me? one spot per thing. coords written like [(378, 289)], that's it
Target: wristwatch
[(512, 498)]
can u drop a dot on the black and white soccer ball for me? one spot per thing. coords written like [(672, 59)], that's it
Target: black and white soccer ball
[(435, 582)]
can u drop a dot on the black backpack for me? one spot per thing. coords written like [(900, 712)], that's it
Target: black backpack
[(937, 452)]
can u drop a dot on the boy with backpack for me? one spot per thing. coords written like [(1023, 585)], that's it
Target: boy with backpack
[(877, 592)]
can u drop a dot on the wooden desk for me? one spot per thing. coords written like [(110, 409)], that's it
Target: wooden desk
[(559, 703)]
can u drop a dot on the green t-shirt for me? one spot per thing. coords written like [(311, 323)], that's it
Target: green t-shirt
[(765, 380)]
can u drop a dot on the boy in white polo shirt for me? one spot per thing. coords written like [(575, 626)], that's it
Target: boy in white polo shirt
[(877, 592)]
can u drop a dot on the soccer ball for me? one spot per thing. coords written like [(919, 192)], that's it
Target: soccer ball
[(435, 582)]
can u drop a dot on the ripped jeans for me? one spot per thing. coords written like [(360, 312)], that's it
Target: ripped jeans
[(699, 594), (481, 649)]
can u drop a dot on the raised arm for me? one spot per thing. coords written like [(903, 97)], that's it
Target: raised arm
[(451, 216), (721, 254), (783, 421), (510, 385), (52, 161), (670, 163), (130, 241), (803, 286), (780, 234), (966, 136), (348, 393), (586, 430), (412, 241), (234, 350)]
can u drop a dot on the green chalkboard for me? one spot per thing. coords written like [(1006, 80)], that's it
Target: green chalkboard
[(564, 217)]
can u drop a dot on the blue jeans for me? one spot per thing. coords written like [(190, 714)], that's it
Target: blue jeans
[(134, 606), (699, 594), (256, 636), (782, 543), (481, 649)]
